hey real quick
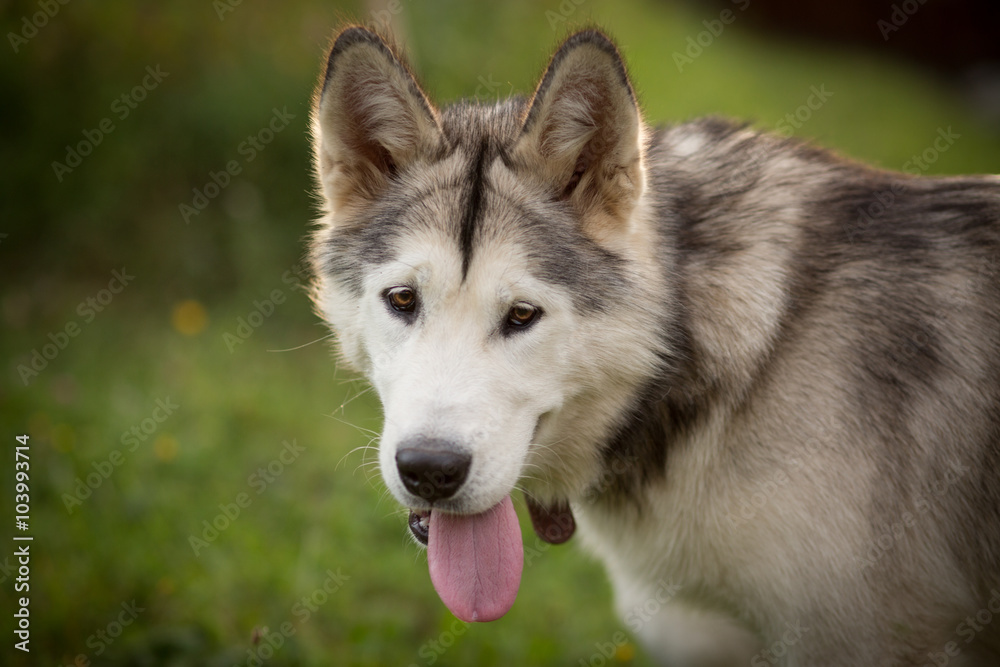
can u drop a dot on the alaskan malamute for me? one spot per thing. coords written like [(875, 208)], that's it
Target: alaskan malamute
[(739, 364)]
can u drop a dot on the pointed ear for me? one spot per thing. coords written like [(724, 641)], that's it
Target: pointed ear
[(370, 119), (583, 132)]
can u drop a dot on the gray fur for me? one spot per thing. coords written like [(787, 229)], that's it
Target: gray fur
[(813, 332)]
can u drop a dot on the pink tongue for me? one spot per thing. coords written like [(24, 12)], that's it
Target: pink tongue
[(476, 561)]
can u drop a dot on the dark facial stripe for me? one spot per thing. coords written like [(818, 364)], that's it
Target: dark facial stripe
[(473, 206)]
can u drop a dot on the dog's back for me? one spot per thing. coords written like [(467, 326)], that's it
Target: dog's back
[(833, 437)]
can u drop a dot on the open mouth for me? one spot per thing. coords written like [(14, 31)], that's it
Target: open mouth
[(475, 560), (420, 525), (552, 523)]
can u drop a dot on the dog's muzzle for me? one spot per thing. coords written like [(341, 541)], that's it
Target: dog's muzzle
[(475, 560)]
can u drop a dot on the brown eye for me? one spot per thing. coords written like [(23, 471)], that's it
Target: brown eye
[(521, 314), (402, 299)]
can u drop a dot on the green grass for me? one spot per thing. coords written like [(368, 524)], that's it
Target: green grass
[(323, 510), (326, 510)]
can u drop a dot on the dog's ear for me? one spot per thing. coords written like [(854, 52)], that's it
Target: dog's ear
[(370, 120), (583, 132)]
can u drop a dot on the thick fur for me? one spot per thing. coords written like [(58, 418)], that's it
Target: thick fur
[(762, 374)]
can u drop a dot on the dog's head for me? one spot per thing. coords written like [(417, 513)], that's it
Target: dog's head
[(485, 267)]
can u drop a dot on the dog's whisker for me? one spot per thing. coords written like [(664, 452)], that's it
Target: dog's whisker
[(313, 342), (353, 398), (361, 429), (364, 449)]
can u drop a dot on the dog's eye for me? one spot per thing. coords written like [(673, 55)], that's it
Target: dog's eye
[(521, 315), (401, 299)]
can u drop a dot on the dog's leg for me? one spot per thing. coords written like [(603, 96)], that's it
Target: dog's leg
[(679, 636)]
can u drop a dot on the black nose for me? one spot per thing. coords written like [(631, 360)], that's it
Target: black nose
[(431, 469)]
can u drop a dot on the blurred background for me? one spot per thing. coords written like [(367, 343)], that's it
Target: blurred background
[(201, 488)]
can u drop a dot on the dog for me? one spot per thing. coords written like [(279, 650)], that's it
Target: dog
[(761, 381)]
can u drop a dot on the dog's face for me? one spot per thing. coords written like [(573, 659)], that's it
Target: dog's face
[(464, 256)]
